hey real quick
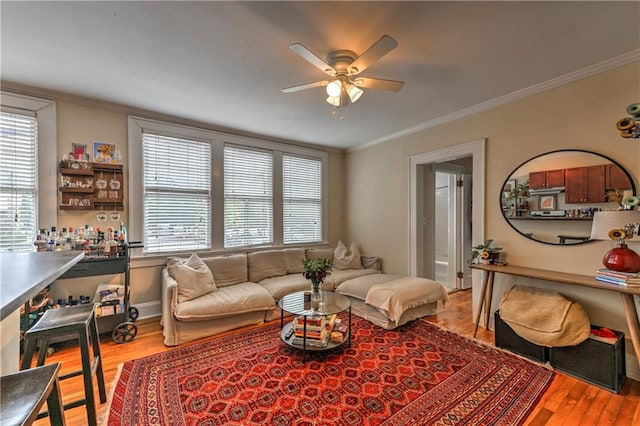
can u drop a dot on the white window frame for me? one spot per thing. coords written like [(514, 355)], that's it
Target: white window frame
[(45, 113), (138, 125)]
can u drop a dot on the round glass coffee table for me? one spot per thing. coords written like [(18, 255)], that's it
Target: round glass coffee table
[(309, 329)]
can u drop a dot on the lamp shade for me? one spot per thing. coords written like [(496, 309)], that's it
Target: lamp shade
[(354, 92), (620, 258), (334, 88)]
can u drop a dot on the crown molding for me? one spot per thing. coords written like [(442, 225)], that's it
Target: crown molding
[(597, 68)]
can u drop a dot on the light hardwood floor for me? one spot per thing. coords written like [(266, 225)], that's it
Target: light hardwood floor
[(568, 401)]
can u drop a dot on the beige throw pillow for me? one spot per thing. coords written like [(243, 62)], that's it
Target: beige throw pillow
[(346, 258), (193, 276)]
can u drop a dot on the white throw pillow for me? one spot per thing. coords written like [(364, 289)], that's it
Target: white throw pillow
[(193, 276), (346, 258)]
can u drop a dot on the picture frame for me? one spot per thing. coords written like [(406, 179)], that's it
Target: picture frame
[(79, 151), (547, 202), (104, 152)]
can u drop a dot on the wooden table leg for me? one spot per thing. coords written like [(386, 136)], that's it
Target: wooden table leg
[(483, 296), (487, 303), (631, 315)]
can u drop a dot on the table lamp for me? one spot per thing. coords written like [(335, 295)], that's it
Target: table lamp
[(607, 225)]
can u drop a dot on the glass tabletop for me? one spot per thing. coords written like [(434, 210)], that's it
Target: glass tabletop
[(332, 303)]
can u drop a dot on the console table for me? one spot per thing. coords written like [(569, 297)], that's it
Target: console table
[(626, 293)]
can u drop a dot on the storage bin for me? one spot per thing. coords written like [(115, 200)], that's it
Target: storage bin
[(594, 361), (506, 338)]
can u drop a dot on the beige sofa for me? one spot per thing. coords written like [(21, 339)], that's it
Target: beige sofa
[(248, 287)]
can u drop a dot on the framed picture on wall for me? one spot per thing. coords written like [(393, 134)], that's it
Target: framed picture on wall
[(104, 152), (547, 202)]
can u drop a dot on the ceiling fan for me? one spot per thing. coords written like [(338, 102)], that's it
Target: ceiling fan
[(343, 66)]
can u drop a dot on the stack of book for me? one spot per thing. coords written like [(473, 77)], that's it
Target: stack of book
[(620, 278), (317, 330)]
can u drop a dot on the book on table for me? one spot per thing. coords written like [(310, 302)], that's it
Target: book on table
[(617, 277)]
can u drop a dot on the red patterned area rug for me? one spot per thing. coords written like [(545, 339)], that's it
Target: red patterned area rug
[(418, 374)]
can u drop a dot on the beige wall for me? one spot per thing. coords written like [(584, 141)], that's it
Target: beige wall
[(83, 122), (578, 115)]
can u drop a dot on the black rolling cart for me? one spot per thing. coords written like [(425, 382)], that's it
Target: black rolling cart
[(121, 324)]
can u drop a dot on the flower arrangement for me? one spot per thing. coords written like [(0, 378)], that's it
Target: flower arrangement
[(316, 270), (485, 252)]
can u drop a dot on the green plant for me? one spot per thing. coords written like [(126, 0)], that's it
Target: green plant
[(484, 251), (316, 270)]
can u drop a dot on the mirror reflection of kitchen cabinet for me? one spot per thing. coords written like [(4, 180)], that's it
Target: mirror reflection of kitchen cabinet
[(546, 179), (585, 184), (615, 178)]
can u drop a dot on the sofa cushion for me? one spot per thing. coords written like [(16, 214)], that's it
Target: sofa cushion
[(346, 258), (193, 276), (228, 270), (320, 253), (293, 260), (266, 264), (338, 276), (279, 287), (359, 287), (227, 301)]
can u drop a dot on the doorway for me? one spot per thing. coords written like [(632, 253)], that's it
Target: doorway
[(422, 210), (452, 223)]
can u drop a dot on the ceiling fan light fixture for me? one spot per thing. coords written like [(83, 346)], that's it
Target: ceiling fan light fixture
[(334, 88), (334, 100), (354, 92)]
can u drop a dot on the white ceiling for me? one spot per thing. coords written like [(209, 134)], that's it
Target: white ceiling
[(225, 63)]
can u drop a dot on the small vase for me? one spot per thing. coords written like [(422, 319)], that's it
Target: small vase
[(316, 296)]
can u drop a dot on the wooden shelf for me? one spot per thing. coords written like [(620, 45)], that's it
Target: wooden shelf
[(91, 171), (69, 189), (77, 172), (107, 166), (65, 207)]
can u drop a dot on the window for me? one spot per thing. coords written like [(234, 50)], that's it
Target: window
[(18, 181), (248, 197), (211, 191), (177, 193), (302, 200)]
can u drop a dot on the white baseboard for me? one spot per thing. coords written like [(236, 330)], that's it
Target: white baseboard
[(149, 309)]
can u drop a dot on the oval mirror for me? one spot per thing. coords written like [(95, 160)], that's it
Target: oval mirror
[(551, 198)]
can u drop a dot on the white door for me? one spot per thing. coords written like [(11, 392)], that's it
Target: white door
[(463, 226)]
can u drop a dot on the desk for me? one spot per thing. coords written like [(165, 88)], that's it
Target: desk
[(22, 276), (626, 293)]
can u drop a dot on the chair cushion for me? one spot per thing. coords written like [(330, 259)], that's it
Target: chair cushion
[(266, 264), (193, 276)]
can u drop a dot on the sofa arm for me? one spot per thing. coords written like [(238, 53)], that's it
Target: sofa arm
[(371, 262), (169, 297)]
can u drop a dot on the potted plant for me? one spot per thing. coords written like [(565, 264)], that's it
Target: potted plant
[(485, 253), (316, 270)]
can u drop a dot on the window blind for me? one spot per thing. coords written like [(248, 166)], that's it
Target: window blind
[(248, 197), (18, 182), (177, 193), (302, 199)]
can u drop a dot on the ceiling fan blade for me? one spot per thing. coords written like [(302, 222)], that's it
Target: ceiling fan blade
[(312, 58), (377, 50), (377, 83), (305, 86)]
